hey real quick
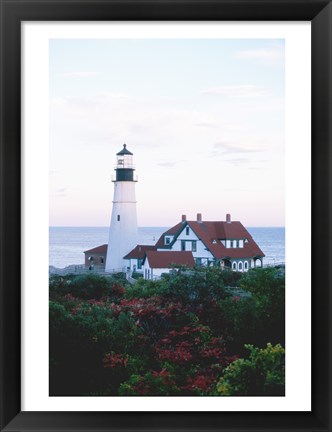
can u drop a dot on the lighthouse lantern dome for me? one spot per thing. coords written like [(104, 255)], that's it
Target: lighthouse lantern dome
[(124, 159)]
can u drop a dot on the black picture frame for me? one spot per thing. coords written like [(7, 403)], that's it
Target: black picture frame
[(13, 12)]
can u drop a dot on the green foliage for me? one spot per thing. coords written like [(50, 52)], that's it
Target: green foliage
[(231, 278), (268, 289), (199, 286), (153, 383), (145, 288), (136, 275), (174, 336), (86, 287), (241, 322), (262, 374)]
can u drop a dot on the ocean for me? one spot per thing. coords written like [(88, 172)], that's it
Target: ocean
[(67, 244)]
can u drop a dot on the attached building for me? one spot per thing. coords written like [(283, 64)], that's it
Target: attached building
[(155, 263), (96, 257), (136, 257)]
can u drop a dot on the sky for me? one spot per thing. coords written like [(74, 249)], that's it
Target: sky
[(204, 119)]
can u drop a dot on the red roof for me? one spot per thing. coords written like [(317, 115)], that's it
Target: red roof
[(216, 231), (211, 234), (168, 258), (139, 251), (175, 230), (98, 250)]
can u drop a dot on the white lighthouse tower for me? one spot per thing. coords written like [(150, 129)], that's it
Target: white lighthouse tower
[(123, 229)]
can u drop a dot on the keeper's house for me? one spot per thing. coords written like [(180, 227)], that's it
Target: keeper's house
[(226, 244)]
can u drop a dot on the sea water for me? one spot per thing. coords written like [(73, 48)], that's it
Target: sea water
[(67, 244)]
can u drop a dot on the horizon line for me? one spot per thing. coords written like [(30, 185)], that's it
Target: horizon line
[(155, 226)]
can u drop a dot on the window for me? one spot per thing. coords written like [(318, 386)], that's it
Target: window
[(240, 266), (198, 261), (187, 230), (238, 243), (246, 265), (183, 245), (234, 266), (234, 243), (167, 240), (118, 218), (101, 259), (139, 263), (194, 246)]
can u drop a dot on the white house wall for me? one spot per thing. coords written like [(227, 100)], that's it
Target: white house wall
[(132, 264), (201, 252), (154, 273)]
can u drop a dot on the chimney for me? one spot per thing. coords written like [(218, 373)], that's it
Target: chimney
[(184, 218), (228, 218), (199, 217)]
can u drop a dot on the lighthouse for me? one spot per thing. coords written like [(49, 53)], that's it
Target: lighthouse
[(123, 227)]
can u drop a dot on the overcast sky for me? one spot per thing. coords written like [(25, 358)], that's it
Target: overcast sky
[(204, 119)]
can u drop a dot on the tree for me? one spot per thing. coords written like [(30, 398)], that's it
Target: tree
[(261, 374), (267, 287)]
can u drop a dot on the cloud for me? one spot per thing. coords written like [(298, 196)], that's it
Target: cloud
[(271, 57), (238, 161), (167, 164), (239, 91), (208, 125), (229, 148), (79, 74)]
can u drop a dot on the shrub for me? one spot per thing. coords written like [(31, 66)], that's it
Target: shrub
[(262, 374), (86, 287), (268, 289)]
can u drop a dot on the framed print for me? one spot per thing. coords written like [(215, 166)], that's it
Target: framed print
[(221, 108)]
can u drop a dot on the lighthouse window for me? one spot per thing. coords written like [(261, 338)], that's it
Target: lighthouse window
[(118, 218)]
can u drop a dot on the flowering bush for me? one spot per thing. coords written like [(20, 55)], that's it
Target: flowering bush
[(179, 336)]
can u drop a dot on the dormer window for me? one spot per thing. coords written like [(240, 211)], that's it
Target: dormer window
[(234, 243), (168, 240)]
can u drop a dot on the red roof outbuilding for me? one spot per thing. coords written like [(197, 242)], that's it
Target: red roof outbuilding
[(98, 250), (169, 258)]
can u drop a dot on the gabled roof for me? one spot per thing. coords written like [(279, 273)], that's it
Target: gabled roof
[(124, 151), (211, 233), (139, 252), (174, 231), (99, 249), (169, 258)]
